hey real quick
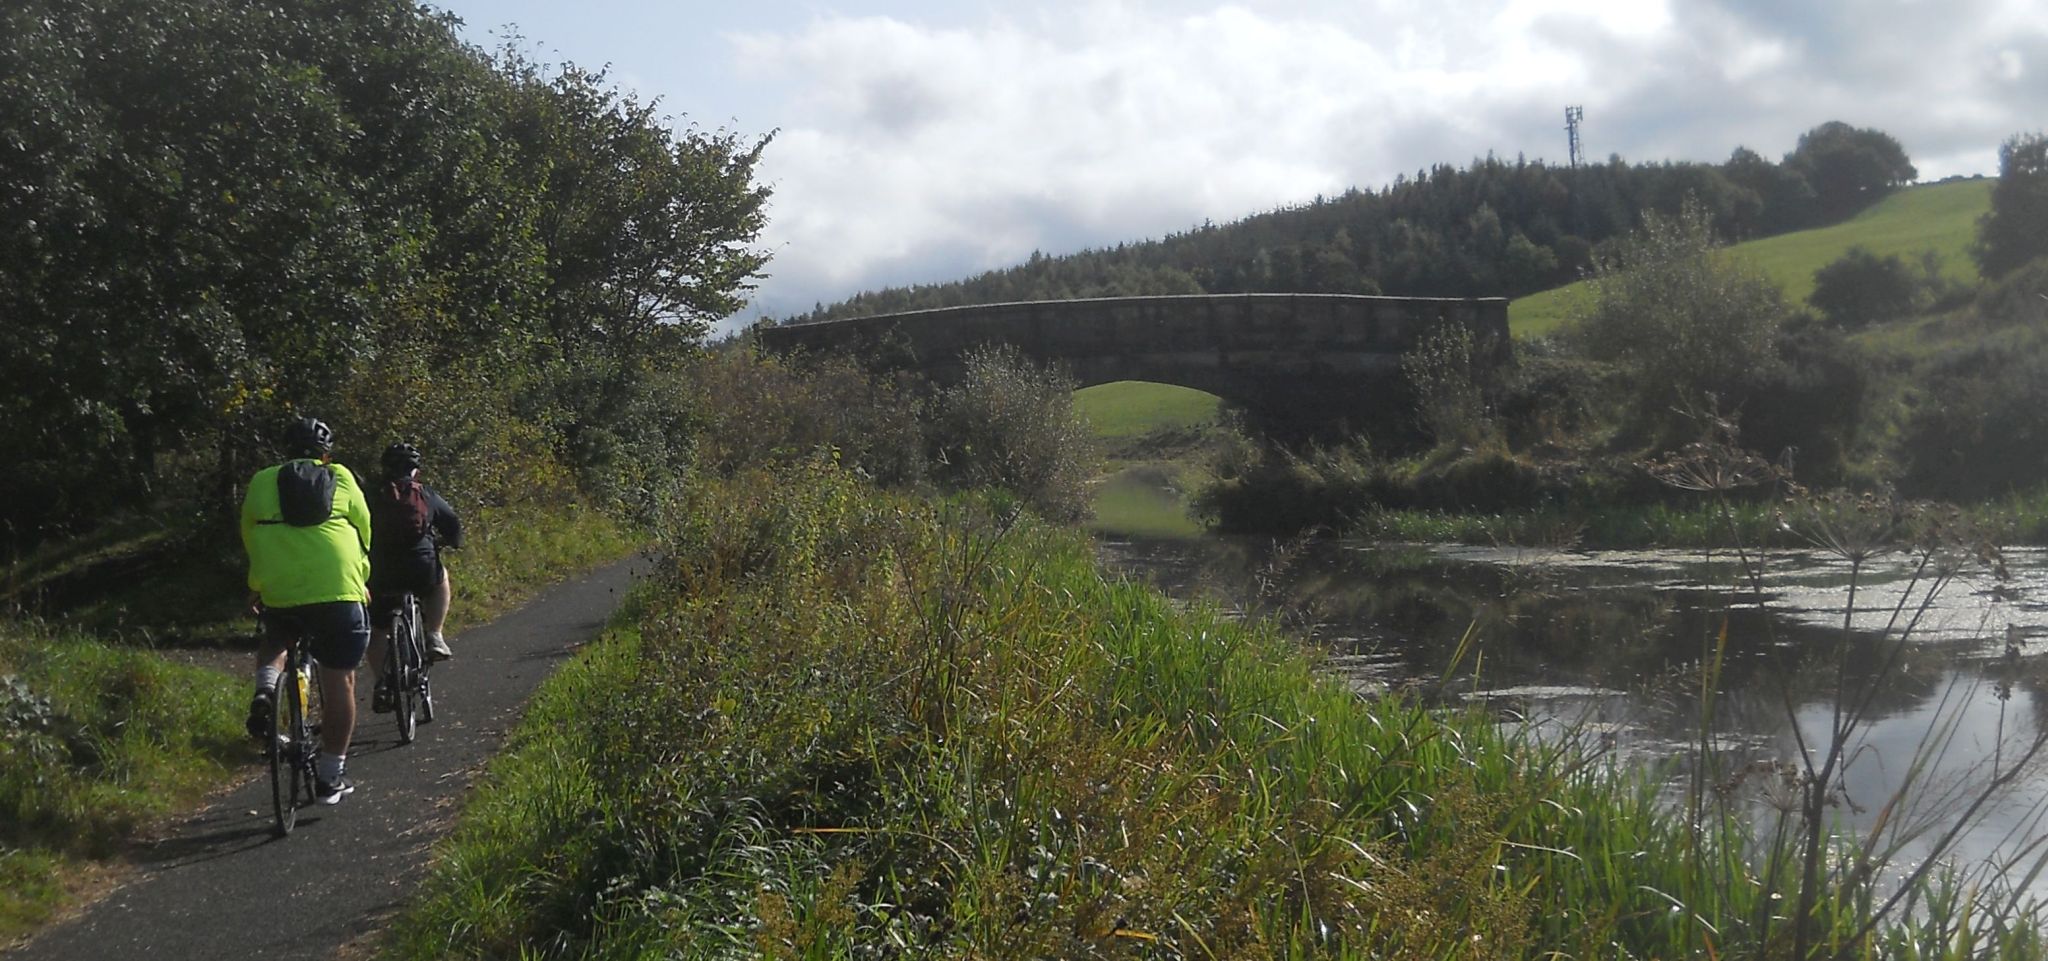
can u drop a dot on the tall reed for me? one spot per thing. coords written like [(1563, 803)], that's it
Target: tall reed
[(1814, 859)]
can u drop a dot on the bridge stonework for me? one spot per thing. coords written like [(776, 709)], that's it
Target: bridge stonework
[(1300, 364)]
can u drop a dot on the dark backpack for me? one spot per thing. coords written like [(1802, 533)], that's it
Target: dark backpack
[(305, 493), (407, 511)]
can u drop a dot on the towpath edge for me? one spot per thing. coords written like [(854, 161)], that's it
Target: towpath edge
[(219, 885)]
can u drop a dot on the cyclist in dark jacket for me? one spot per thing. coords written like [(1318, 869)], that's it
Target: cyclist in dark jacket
[(410, 524)]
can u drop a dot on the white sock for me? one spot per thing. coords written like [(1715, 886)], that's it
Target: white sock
[(266, 679), (329, 766)]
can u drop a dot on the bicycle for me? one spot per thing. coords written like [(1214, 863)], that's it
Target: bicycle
[(405, 668), (290, 748)]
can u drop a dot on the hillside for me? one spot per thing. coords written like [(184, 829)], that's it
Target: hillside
[(1495, 227), (1941, 218)]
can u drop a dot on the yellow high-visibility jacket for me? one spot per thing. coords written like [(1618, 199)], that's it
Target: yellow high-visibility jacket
[(290, 566)]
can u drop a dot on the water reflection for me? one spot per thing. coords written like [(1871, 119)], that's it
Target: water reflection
[(1614, 645)]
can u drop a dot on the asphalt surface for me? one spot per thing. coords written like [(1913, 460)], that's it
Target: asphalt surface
[(220, 886)]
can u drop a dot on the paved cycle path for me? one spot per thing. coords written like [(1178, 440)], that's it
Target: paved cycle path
[(220, 886)]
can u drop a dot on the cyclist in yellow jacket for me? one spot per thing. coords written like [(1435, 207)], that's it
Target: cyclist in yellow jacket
[(306, 527)]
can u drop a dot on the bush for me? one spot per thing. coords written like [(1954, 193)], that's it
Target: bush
[(1682, 324), (476, 452), (1862, 288), (1981, 426), (1269, 490), (1810, 403), (2021, 297), (1448, 376), (1010, 424), (760, 410), (1552, 399)]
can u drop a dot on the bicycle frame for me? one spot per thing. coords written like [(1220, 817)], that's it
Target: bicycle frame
[(290, 748)]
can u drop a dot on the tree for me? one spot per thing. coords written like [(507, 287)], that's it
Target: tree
[(179, 238), (1526, 265), (2015, 230), (1785, 200), (1849, 167), (1687, 328), (212, 213)]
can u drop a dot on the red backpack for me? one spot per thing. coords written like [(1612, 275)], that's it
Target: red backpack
[(406, 508)]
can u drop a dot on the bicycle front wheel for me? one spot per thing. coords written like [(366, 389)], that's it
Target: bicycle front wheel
[(281, 750)]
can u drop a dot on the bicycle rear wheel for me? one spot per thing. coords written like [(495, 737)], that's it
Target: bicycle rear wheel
[(403, 669)]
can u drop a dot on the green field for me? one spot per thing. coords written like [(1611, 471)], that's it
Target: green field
[(1938, 217), (1128, 408)]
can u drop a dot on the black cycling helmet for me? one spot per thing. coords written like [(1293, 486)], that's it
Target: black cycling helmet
[(308, 437), (400, 460)]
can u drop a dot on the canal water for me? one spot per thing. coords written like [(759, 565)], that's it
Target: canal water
[(1950, 667)]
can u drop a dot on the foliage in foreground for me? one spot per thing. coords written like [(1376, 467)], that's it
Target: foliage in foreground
[(847, 725)]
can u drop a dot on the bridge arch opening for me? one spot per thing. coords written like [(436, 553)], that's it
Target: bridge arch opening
[(1155, 437), (1129, 409)]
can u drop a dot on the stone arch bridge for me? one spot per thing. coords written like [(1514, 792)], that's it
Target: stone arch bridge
[(1298, 364)]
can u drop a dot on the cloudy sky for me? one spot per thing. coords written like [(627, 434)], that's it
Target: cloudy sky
[(925, 140)]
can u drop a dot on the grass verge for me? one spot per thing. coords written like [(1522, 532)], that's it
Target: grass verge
[(1609, 528), (96, 740), (523, 548), (844, 724)]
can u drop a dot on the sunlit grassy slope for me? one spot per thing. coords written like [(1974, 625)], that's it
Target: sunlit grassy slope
[(1937, 217), (1129, 408)]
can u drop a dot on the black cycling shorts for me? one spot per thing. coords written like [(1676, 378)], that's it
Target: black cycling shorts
[(388, 580), (337, 632)]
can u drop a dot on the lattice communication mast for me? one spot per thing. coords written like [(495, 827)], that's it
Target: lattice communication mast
[(1572, 116)]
